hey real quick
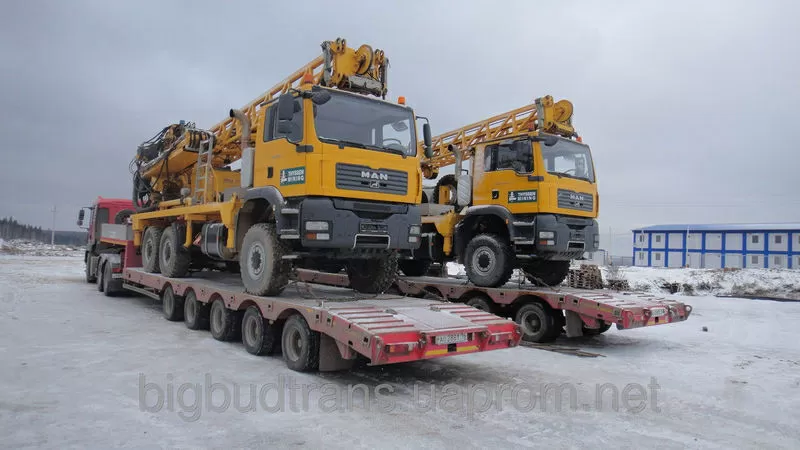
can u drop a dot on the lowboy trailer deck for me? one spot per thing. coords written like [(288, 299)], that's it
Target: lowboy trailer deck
[(329, 330), (544, 313)]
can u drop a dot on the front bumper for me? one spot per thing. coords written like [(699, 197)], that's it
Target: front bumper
[(571, 236), (359, 225)]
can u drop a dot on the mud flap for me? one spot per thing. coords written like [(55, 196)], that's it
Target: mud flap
[(330, 358), (574, 324)]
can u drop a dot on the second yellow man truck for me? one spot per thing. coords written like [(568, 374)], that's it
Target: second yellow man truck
[(329, 173), (529, 199)]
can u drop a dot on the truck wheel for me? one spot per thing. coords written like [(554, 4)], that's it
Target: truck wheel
[(195, 314), (372, 276), (258, 336), (150, 244), (224, 323), (414, 267), (263, 270), (449, 181), (547, 273), (107, 279), (596, 332), (537, 324), (100, 284), (171, 305), (482, 302), (489, 260), (300, 344), (90, 278), (173, 257)]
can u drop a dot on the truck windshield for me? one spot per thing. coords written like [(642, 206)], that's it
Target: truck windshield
[(366, 123), (569, 159)]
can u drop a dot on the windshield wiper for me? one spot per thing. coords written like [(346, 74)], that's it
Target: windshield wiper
[(370, 147), (559, 174), (562, 174)]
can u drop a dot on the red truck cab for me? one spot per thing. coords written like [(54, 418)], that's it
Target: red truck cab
[(100, 254)]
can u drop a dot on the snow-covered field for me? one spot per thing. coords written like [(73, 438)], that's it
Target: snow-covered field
[(87, 371)]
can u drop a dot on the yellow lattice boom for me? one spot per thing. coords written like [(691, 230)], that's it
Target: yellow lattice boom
[(542, 115)]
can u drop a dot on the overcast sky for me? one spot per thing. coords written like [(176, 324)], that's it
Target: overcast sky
[(690, 107)]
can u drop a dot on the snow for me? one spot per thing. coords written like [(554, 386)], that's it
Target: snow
[(782, 283), (34, 248), (76, 363)]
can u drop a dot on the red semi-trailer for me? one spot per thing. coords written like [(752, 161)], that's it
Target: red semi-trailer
[(329, 330)]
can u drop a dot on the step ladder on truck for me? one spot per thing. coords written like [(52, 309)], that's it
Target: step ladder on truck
[(331, 330)]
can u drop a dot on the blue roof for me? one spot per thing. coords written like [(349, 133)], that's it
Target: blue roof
[(791, 226)]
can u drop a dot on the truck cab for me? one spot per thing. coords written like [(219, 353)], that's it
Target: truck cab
[(97, 250)]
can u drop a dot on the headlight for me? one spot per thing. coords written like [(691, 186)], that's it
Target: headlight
[(596, 240), (547, 235), (316, 225), (414, 230)]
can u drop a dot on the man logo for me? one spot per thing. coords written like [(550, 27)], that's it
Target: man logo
[(375, 184), (374, 175), (577, 197)]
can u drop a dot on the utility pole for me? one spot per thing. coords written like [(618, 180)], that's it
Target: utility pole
[(610, 246), (53, 230)]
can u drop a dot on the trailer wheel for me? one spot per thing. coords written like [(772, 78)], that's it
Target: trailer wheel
[(547, 273), (173, 257), (537, 323), (596, 332), (195, 314), (224, 322), (372, 276), (107, 279), (489, 260), (258, 336), (171, 305), (263, 269), (300, 344), (482, 302), (150, 244), (414, 267)]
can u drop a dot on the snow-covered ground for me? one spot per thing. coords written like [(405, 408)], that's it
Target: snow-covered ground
[(783, 283), (87, 371), (33, 248)]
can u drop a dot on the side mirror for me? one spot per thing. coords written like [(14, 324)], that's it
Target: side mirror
[(426, 136), (286, 107), (320, 97), (80, 217)]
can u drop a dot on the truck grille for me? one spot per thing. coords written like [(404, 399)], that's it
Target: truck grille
[(362, 178), (575, 200)]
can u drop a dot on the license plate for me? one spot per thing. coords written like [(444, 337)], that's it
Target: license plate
[(658, 312), (451, 338)]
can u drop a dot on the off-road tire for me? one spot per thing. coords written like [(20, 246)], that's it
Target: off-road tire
[(414, 267), (195, 313), (372, 276), (447, 180), (482, 302), (173, 257), (537, 323), (489, 260), (223, 323), (263, 269), (171, 305), (547, 273), (300, 344), (258, 336), (150, 245)]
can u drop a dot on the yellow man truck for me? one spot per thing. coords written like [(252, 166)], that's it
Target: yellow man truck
[(529, 199), (319, 170)]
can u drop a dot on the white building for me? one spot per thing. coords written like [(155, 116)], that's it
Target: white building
[(764, 245)]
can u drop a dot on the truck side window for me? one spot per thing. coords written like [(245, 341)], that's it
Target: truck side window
[(516, 156), (295, 125)]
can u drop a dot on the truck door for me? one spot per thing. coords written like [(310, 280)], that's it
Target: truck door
[(277, 161), (503, 175)]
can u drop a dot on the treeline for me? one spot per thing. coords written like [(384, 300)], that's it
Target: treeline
[(11, 229)]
